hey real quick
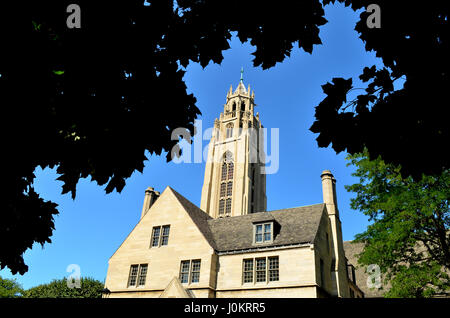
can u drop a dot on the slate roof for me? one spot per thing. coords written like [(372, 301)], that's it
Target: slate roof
[(292, 226)]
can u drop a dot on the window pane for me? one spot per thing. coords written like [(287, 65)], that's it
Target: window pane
[(248, 277), (248, 265), (184, 277), (228, 207), (229, 188), (267, 228), (258, 229), (195, 277), (221, 207), (222, 189), (164, 240), (155, 236), (185, 266), (165, 235), (230, 170), (260, 264), (133, 275), (260, 270), (273, 269), (248, 271), (224, 171), (184, 271), (142, 274), (267, 236), (196, 265), (258, 238)]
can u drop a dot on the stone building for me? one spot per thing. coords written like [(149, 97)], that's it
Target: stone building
[(231, 246)]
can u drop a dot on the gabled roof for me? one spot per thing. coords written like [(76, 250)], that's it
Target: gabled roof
[(292, 226), (175, 289)]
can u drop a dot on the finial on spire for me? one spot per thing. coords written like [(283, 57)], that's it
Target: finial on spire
[(242, 75)]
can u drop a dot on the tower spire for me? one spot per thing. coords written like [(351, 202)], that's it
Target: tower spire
[(242, 75)]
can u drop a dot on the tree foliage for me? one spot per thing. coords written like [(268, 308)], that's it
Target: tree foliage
[(89, 288), (91, 101), (406, 125), (10, 288), (409, 235)]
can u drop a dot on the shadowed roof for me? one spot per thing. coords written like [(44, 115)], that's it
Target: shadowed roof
[(295, 226)]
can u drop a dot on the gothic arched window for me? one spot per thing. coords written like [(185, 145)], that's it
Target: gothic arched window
[(229, 129), (226, 185)]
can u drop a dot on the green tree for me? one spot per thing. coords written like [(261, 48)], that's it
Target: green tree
[(409, 235), (9, 288), (89, 288)]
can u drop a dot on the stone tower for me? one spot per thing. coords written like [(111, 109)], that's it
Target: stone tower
[(235, 182)]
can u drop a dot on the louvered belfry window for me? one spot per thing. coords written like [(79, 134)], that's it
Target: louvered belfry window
[(226, 185)]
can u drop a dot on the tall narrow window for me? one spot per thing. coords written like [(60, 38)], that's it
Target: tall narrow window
[(230, 170), (133, 275), (229, 130), (142, 274), (224, 171), (221, 207), (273, 269), (184, 271), (260, 270), (267, 232), (258, 234), (226, 185), (228, 206), (195, 271), (248, 271), (229, 188), (165, 235), (155, 236)]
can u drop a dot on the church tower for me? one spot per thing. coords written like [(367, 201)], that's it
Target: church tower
[(235, 182)]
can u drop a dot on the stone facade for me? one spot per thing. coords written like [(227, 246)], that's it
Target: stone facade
[(235, 248)]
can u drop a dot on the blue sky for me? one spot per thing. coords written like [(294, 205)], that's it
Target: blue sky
[(90, 228)]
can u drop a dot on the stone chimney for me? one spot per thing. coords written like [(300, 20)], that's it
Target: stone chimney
[(329, 192), (339, 276), (150, 197)]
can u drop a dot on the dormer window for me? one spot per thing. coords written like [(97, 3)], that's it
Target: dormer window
[(263, 232)]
